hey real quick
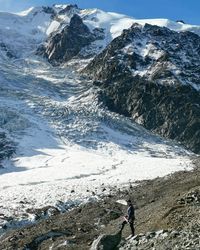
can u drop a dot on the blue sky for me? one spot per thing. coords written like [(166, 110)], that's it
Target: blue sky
[(187, 10)]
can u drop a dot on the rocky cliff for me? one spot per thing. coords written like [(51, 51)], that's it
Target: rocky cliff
[(152, 74), (67, 43)]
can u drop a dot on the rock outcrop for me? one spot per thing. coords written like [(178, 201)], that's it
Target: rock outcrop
[(6, 50), (153, 75), (66, 44), (106, 242), (69, 10), (7, 148)]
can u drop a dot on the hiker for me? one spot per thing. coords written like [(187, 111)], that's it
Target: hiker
[(129, 218)]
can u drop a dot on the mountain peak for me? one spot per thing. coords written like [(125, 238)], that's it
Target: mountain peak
[(76, 20), (65, 9)]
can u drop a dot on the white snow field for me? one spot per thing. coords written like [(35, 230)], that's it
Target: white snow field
[(68, 146)]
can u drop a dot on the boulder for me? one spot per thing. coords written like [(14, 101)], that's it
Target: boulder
[(106, 242)]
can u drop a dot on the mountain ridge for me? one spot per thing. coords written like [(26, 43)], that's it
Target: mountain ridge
[(151, 73), (40, 22)]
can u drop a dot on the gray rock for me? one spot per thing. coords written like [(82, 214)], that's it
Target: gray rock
[(106, 242)]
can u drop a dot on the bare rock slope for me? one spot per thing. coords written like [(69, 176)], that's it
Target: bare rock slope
[(152, 74)]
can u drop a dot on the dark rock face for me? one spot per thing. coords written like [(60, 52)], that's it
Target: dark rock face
[(180, 21), (153, 75), (7, 51), (63, 46), (7, 148)]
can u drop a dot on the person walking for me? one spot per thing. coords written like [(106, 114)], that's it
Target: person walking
[(129, 218)]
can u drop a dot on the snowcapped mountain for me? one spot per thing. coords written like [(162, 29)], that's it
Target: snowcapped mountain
[(23, 32), (55, 131)]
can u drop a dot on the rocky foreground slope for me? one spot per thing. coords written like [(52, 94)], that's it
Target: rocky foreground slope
[(167, 217), (152, 74)]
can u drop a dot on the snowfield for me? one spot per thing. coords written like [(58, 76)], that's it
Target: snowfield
[(69, 147)]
